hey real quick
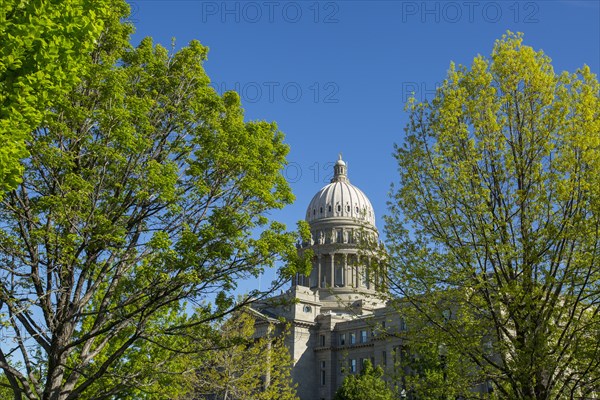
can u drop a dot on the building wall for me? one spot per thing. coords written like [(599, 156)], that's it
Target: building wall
[(301, 345), (336, 345)]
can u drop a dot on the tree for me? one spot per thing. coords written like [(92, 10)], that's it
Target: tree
[(494, 228), (426, 368), (44, 45), (143, 190), (366, 385), (244, 366)]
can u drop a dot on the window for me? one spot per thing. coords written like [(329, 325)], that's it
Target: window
[(352, 338), (347, 208), (447, 314), (353, 366), (363, 277), (402, 324), (339, 208), (362, 363), (363, 336), (307, 309), (339, 275), (384, 358), (342, 339), (322, 340), (329, 208), (323, 372), (400, 356)]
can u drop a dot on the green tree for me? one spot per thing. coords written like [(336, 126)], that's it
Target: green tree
[(494, 229), (44, 45), (159, 366), (425, 367), (143, 189), (5, 391), (366, 385), (245, 365)]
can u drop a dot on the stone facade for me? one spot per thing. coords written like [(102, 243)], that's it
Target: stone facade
[(338, 314)]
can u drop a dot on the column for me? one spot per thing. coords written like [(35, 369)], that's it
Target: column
[(332, 276), (357, 270), (319, 271), (345, 273), (368, 273), (353, 270)]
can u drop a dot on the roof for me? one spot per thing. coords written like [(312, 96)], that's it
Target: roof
[(340, 199)]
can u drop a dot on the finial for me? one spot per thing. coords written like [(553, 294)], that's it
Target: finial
[(339, 170)]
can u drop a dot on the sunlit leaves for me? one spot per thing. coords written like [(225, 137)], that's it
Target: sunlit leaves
[(238, 366), (497, 212), (44, 47), (143, 188), (369, 384)]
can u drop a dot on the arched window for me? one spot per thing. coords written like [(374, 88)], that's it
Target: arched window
[(339, 276)]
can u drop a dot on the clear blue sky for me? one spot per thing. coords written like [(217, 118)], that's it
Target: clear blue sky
[(335, 75)]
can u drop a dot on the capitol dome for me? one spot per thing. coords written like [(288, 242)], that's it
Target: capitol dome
[(340, 200)]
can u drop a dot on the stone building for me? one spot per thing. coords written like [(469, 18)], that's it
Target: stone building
[(340, 314)]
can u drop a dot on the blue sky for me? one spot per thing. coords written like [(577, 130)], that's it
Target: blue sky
[(335, 75)]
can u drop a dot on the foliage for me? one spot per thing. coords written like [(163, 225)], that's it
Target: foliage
[(160, 366), (494, 229), (143, 189), (366, 385), (5, 391), (44, 46), (425, 367), (244, 365)]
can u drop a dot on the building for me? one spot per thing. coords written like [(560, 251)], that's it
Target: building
[(340, 314)]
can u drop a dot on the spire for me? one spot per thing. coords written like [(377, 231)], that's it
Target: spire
[(340, 170)]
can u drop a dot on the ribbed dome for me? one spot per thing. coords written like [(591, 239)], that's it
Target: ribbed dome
[(340, 199)]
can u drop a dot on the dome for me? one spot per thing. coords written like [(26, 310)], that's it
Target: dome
[(340, 200)]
